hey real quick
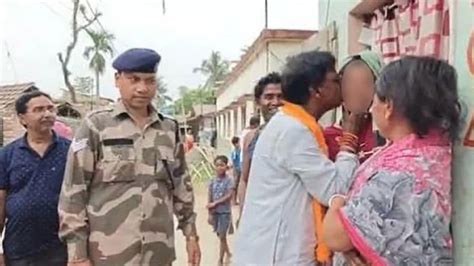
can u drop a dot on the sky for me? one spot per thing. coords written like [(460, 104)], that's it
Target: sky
[(32, 32)]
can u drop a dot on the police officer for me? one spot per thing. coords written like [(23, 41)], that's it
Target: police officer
[(125, 176)]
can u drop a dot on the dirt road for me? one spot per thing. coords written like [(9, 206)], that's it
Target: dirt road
[(208, 239)]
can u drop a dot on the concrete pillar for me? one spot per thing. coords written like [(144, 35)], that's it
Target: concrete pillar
[(249, 110), (220, 121), (218, 124), (222, 116), (226, 124), (242, 118), (227, 127), (239, 121), (232, 123)]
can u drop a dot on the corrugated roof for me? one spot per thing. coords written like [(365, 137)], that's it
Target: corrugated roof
[(9, 93)]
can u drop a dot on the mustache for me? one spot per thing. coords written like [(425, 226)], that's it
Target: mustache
[(47, 120)]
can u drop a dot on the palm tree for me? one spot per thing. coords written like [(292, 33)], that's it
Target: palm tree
[(102, 44), (162, 97), (215, 69)]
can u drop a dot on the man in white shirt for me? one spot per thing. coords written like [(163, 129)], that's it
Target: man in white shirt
[(289, 169)]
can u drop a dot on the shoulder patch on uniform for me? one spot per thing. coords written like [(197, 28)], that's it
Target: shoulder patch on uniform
[(176, 125), (78, 144)]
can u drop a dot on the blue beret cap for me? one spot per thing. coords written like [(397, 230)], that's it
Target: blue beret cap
[(137, 60)]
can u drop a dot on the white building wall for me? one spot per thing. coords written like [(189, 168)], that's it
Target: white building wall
[(219, 124), (245, 82), (229, 124), (226, 125), (232, 123), (279, 53), (249, 110), (239, 120)]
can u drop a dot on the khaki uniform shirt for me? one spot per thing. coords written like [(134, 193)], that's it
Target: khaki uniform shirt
[(121, 186)]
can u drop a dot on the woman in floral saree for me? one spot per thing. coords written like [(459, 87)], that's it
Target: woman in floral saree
[(398, 210)]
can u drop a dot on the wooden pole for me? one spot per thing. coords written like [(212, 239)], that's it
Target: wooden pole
[(266, 14)]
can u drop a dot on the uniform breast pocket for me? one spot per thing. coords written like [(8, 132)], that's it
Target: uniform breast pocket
[(165, 165), (118, 163)]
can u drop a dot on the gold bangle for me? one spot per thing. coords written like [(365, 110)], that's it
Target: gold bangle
[(349, 134)]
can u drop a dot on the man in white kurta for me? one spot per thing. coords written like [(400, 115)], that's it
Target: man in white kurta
[(288, 170)]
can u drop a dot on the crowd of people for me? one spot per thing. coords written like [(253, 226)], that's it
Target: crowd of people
[(374, 188), (348, 194)]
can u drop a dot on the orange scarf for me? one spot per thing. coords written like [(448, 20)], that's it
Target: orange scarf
[(322, 252)]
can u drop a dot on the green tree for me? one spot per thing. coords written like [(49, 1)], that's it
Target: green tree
[(190, 97), (162, 98), (215, 68), (102, 45), (78, 11)]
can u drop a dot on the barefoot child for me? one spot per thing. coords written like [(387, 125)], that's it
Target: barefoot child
[(221, 190), (235, 160)]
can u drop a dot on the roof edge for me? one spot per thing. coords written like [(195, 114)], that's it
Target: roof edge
[(265, 36)]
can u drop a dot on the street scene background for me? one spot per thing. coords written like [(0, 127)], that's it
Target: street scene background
[(213, 52)]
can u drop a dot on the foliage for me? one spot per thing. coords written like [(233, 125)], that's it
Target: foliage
[(78, 11), (162, 100), (215, 68), (190, 97), (102, 45)]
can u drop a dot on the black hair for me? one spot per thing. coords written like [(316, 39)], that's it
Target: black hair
[(235, 140), (272, 78), (303, 71), (424, 91), (221, 158), (255, 121), (24, 99)]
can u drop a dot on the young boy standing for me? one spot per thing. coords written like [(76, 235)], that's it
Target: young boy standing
[(236, 164), (221, 190)]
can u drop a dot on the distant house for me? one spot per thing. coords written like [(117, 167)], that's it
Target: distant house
[(68, 113), (88, 101), (72, 113), (203, 115), (10, 128), (201, 120)]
